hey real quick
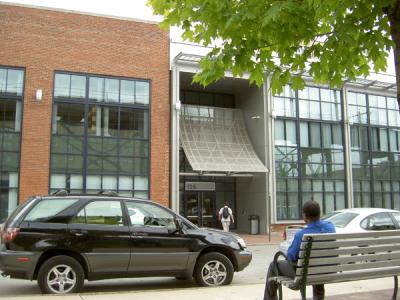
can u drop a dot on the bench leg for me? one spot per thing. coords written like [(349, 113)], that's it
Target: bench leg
[(303, 292), (396, 284)]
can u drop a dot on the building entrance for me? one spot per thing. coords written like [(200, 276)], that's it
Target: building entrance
[(199, 208)]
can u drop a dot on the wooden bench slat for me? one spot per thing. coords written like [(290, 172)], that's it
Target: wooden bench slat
[(353, 242), (338, 236), (351, 276), (349, 267), (351, 259), (350, 251), (329, 258)]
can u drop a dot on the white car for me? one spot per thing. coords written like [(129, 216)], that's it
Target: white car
[(353, 220)]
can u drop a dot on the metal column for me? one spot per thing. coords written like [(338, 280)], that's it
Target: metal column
[(175, 111)]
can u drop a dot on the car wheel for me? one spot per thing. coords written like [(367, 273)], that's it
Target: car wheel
[(213, 269), (60, 275)]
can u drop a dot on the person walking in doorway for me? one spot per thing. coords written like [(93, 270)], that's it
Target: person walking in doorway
[(225, 216)]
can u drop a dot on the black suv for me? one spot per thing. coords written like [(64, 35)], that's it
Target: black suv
[(62, 240)]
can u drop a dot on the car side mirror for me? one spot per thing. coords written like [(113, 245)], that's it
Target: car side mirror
[(178, 226)]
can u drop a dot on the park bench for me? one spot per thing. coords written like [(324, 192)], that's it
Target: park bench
[(331, 258)]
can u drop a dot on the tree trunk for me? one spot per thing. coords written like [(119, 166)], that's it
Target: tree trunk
[(394, 19)]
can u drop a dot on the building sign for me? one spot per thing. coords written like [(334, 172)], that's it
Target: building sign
[(200, 186)]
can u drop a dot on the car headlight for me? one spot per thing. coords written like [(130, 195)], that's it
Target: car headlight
[(241, 243)]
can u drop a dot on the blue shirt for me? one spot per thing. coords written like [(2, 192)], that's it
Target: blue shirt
[(319, 226)]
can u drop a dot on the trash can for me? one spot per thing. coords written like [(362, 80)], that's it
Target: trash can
[(254, 224)]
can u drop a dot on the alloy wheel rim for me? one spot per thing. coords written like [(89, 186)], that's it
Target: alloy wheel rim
[(61, 279), (214, 273)]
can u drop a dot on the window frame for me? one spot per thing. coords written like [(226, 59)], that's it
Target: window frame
[(139, 143)]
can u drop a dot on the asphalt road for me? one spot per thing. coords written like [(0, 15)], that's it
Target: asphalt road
[(254, 273)]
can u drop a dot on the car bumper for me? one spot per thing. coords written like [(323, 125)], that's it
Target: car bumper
[(243, 259), (17, 264)]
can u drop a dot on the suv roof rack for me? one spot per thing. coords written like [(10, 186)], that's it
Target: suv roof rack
[(60, 193), (108, 193)]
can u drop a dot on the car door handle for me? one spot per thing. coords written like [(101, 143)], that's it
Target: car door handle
[(139, 234), (78, 232)]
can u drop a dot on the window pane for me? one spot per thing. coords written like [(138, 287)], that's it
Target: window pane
[(96, 89), (133, 123), (142, 92), (62, 85), (291, 132), (337, 136), (110, 121), (127, 91), (70, 118), (304, 141), (383, 139), (125, 183), (104, 213), (315, 135), (280, 132), (15, 82), (111, 90), (149, 215), (326, 135), (393, 140), (109, 183), (8, 115), (78, 86), (3, 80), (58, 181), (94, 165), (141, 183), (47, 209)]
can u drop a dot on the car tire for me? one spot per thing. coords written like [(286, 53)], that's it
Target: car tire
[(213, 269), (60, 275)]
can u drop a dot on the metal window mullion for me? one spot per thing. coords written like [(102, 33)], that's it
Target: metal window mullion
[(371, 166), (118, 144), (324, 164), (299, 164), (347, 151), (85, 137)]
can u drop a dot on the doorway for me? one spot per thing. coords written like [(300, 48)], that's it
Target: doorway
[(199, 208)]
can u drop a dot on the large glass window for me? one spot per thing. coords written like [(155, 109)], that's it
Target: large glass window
[(375, 150), (100, 135), (309, 155), (11, 96)]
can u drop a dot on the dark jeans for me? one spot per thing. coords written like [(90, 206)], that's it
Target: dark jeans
[(286, 269)]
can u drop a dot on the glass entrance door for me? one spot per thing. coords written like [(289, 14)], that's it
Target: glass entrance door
[(200, 208)]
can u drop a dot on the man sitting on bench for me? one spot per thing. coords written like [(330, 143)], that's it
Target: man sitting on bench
[(311, 215)]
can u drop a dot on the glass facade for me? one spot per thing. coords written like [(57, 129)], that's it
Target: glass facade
[(100, 137), (375, 150), (11, 100), (309, 152)]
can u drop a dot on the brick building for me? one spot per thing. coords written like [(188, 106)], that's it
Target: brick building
[(84, 105), (90, 103)]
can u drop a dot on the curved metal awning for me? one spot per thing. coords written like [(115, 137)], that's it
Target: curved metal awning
[(215, 140)]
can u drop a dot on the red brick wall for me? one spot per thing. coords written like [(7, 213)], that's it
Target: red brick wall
[(43, 41)]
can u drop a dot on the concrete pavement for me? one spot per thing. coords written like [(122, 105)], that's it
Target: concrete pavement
[(247, 285), (360, 290)]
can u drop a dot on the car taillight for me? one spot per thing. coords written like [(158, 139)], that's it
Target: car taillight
[(8, 235)]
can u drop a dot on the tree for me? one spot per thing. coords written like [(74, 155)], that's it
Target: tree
[(331, 40)]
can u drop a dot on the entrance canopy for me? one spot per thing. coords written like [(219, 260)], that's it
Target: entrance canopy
[(215, 140)]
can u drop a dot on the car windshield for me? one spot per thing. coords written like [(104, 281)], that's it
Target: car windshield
[(340, 219)]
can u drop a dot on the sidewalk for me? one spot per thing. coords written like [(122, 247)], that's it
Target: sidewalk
[(261, 239), (362, 290)]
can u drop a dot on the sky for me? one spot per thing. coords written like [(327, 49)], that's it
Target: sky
[(136, 9)]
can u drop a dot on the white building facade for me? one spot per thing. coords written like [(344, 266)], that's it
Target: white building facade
[(267, 154)]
